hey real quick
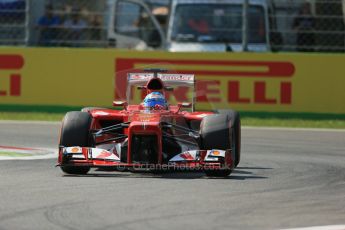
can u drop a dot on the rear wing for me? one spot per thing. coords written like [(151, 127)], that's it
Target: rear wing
[(179, 80), (167, 78)]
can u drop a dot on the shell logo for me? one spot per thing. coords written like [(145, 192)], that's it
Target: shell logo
[(215, 153), (75, 150)]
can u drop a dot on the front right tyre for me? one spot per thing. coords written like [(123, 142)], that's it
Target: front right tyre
[(75, 132)]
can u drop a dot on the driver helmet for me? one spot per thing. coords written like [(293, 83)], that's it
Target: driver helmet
[(155, 100)]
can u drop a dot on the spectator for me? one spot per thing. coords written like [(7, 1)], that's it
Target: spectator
[(96, 28), (304, 23), (161, 14), (48, 25), (75, 28), (12, 11), (146, 29)]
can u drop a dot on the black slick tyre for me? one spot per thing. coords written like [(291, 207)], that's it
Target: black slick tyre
[(215, 132), (75, 132), (221, 131), (235, 124)]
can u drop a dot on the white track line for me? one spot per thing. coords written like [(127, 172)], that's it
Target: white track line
[(14, 122), (45, 153)]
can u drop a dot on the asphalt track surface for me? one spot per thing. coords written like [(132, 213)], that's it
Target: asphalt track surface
[(286, 179)]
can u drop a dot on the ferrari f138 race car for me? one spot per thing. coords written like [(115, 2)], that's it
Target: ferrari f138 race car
[(153, 135)]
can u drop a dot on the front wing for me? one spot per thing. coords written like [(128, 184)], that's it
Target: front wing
[(190, 160)]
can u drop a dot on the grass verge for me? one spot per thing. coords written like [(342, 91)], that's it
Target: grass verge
[(303, 120), (31, 116)]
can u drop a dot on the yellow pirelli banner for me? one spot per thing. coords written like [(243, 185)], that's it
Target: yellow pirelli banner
[(312, 83)]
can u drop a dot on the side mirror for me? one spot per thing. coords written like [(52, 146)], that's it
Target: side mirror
[(185, 105), (276, 41), (120, 103)]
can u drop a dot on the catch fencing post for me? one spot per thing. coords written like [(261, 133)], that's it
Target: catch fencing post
[(245, 25)]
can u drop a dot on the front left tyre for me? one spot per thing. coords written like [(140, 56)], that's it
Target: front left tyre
[(235, 124), (75, 132), (221, 131)]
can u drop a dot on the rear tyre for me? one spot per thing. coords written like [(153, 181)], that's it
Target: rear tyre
[(75, 132)]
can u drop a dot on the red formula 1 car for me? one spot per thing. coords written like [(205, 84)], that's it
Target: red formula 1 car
[(150, 136)]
